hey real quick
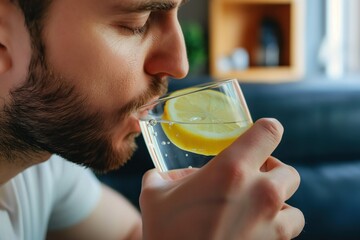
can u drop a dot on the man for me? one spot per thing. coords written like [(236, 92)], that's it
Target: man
[(71, 73)]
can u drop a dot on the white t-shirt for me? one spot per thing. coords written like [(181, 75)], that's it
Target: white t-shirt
[(51, 195)]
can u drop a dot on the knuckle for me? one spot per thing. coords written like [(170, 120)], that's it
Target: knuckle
[(234, 176), (282, 232), (296, 174), (301, 222), (269, 197)]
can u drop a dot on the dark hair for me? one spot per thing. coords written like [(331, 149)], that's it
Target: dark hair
[(34, 12)]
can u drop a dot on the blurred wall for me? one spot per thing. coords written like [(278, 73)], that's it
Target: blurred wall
[(195, 10), (314, 30)]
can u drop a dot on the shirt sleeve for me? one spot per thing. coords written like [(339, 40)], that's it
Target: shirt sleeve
[(77, 192)]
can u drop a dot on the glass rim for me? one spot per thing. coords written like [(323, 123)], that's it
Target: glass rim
[(199, 87)]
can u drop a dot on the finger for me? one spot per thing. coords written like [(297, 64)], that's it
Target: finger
[(284, 177), (256, 144), (152, 179), (270, 163), (179, 173), (289, 222)]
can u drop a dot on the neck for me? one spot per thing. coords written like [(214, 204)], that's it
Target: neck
[(11, 168), (7, 172)]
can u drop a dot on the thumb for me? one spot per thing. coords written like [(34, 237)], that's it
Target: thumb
[(156, 178), (153, 179), (152, 184)]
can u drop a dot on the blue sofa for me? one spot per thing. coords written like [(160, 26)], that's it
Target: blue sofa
[(321, 140)]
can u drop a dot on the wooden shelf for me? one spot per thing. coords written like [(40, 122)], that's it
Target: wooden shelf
[(236, 24), (258, 1), (263, 74)]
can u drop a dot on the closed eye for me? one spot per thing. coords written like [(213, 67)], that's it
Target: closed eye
[(135, 23), (137, 30)]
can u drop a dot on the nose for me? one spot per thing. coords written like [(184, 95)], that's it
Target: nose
[(167, 57)]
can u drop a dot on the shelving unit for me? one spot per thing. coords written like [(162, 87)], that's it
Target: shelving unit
[(236, 24)]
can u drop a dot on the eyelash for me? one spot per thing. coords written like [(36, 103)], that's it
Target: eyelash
[(138, 30)]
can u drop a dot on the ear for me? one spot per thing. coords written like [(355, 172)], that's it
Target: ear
[(5, 27), (5, 59), (15, 46)]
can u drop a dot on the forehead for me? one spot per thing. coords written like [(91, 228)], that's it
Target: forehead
[(113, 6), (144, 4), (108, 7)]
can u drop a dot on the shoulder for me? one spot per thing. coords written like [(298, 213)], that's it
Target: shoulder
[(77, 192), (67, 175), (56, 169), (61, 168)]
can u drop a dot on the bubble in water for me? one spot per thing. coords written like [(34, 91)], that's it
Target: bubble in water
[(168, 143), (170, 124), (186, 155), (152, 122), (190, 166), (196, 118), (166, 155), (163, 143)]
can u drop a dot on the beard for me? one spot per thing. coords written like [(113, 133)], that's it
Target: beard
[(48, 115)]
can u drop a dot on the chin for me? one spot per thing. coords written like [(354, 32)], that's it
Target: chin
[(123, 151)]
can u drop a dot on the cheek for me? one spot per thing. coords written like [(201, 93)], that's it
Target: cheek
[(117, 76), (106, 69)]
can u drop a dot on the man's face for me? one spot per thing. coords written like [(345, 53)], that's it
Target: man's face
[(103, 59)]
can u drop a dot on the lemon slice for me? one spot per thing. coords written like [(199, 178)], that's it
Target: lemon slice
[(203, 122)]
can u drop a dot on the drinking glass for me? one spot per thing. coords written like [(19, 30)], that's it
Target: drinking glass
[(186, 128)]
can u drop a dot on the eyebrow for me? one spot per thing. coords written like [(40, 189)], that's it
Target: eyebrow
[(150, 5)]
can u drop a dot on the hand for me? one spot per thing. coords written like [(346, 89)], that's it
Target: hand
[(240, 194)]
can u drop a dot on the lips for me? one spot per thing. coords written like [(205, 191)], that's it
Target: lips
[(142, 111), (135, 124)]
